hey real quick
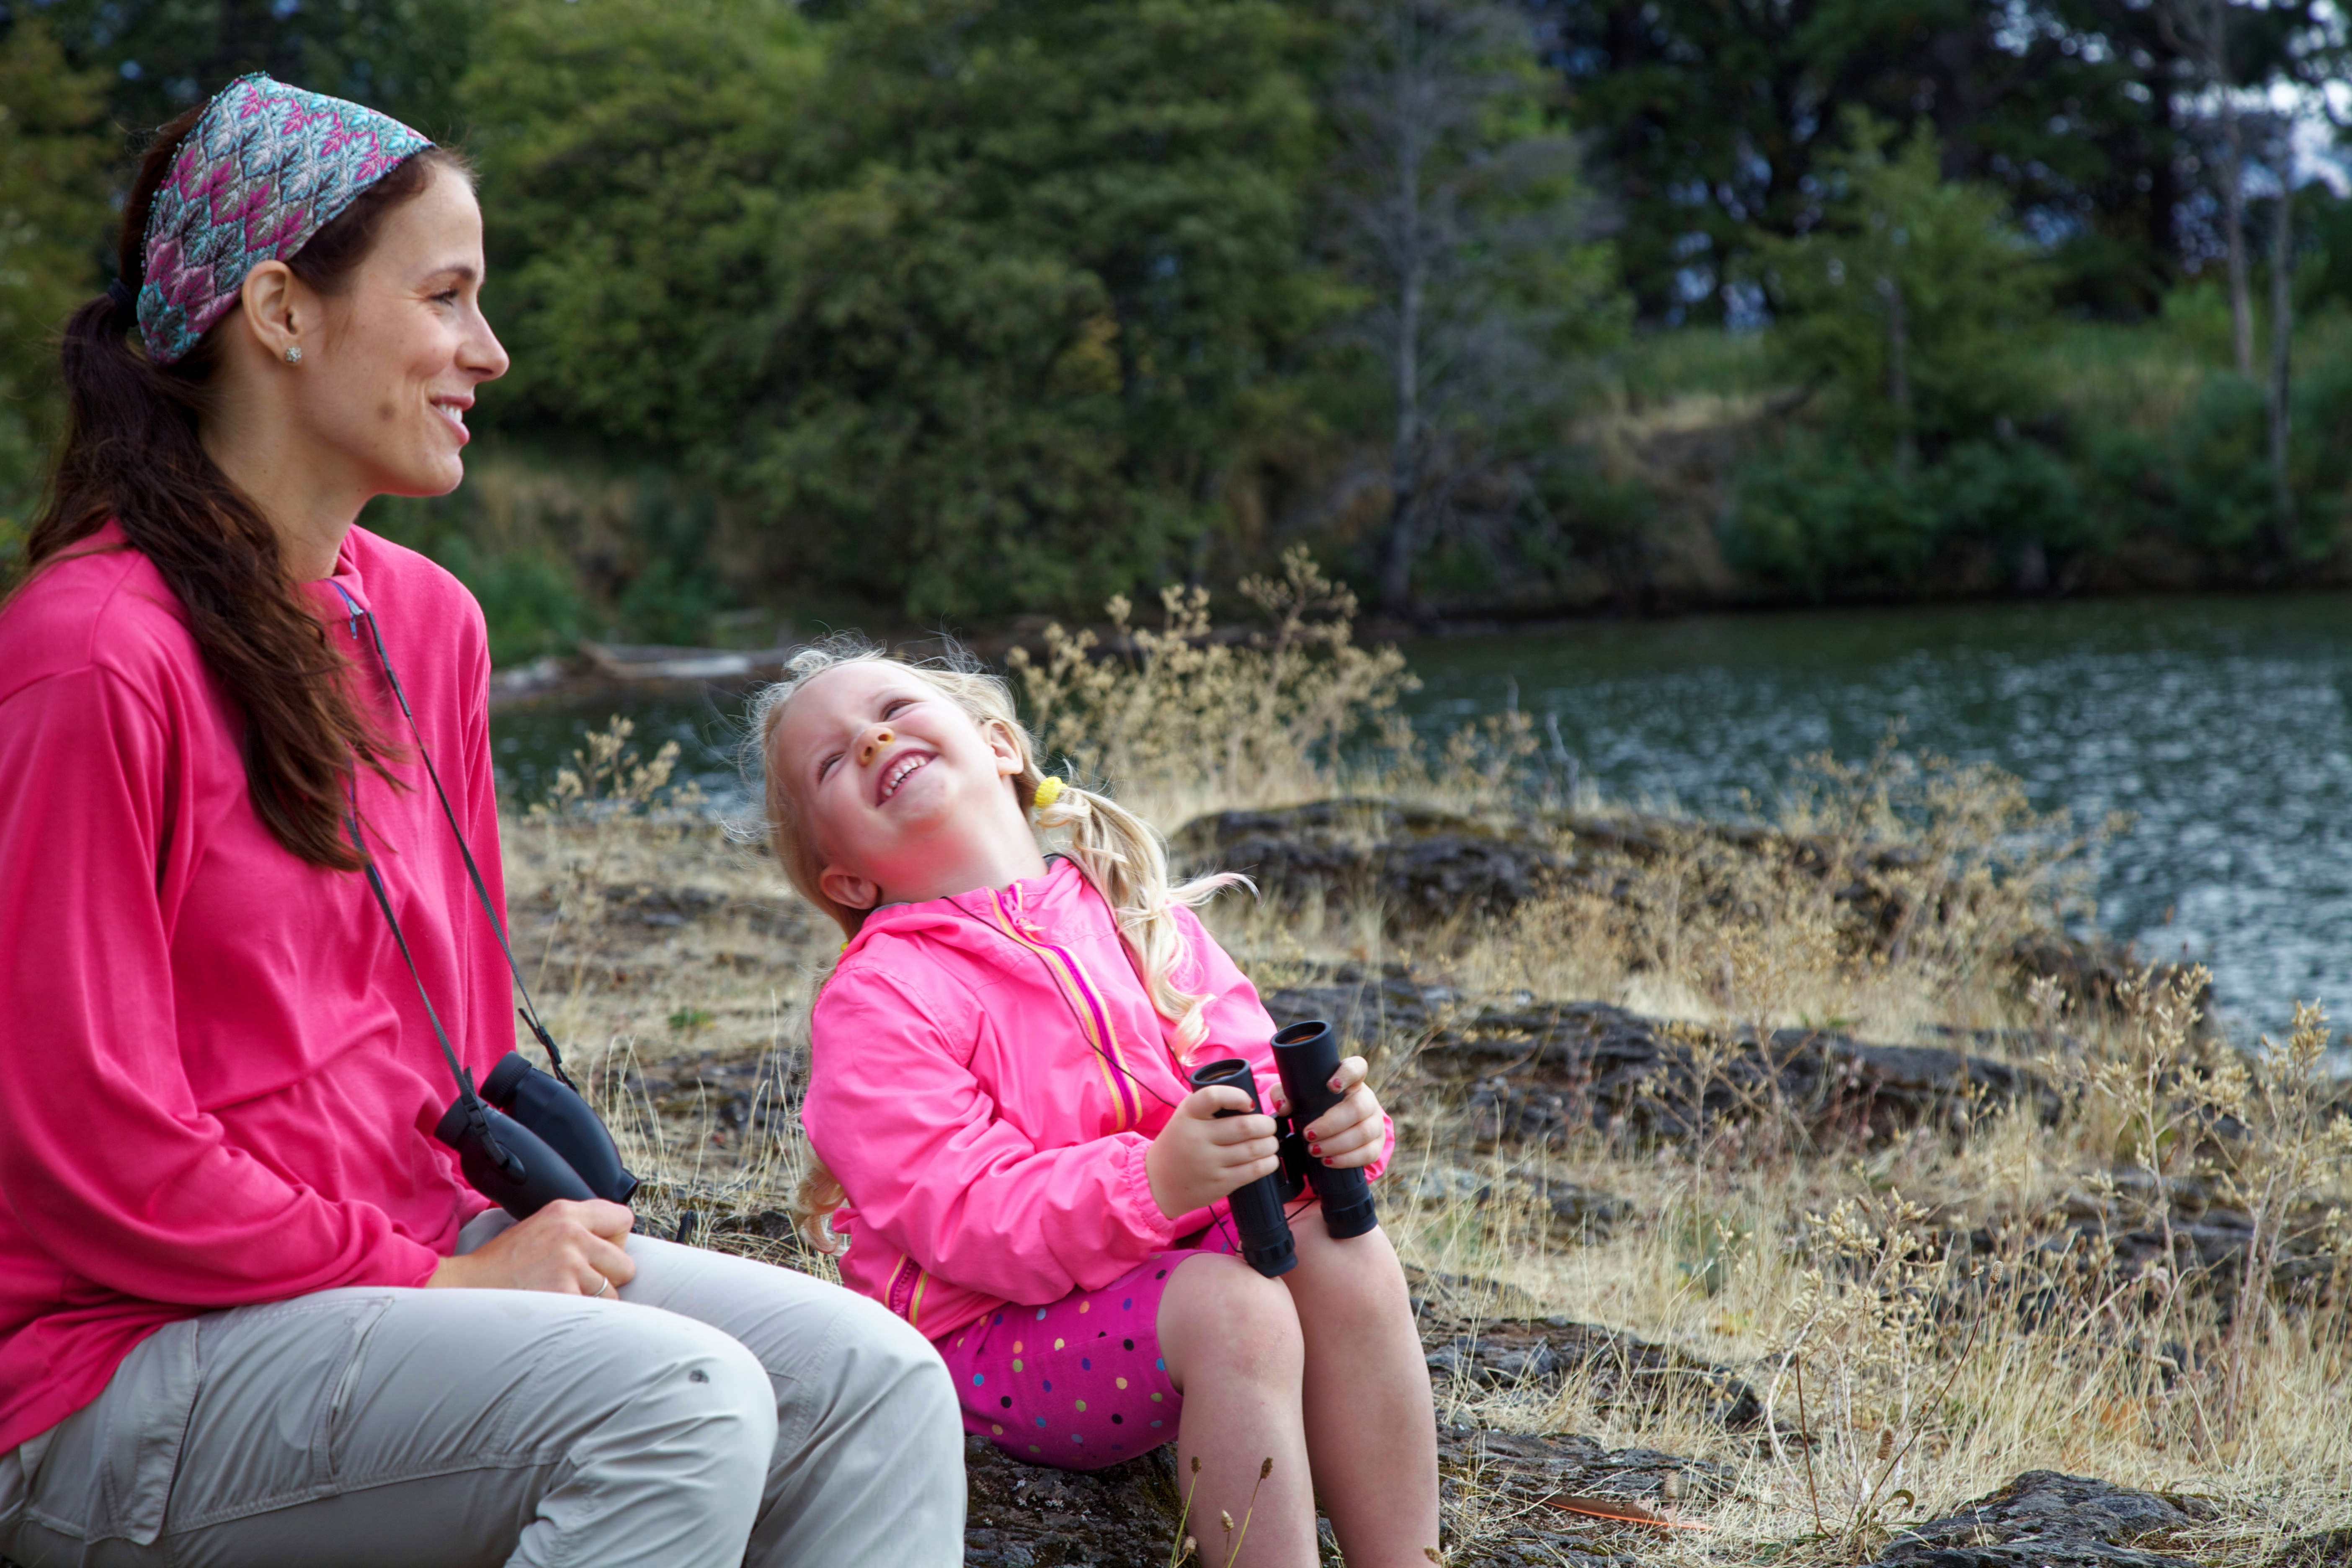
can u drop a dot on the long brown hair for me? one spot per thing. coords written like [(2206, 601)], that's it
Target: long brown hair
[(132, 454)]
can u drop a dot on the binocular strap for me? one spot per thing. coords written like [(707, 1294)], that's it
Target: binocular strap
[(530, 1009)]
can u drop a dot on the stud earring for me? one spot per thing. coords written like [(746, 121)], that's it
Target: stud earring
[(293, 353)]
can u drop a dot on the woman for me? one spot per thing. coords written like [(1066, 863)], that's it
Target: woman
[(249, 1312)]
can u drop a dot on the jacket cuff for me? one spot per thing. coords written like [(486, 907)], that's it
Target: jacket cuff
[(1142, 1211), (403, 1262)]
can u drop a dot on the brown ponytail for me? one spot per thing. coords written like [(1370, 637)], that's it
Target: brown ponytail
[(132, 454)]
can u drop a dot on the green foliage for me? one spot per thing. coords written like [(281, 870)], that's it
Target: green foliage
[(635, 157), (1055, 250), (2206, 479), (54, 220), (1817, 517), (1912, 302), (1714, 120), (159, 56), (531, 596)]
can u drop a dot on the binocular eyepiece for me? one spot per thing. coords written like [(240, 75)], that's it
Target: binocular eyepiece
[(527, 1139), (1307, 1055)]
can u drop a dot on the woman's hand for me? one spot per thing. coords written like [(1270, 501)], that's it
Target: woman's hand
[(1350, 1132), (1197, 1159), (568, 1248)]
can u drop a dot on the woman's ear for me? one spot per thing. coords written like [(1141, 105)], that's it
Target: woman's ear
[(278, 309), (848, 889)]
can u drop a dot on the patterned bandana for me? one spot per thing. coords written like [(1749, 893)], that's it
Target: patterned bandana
[(264, 169)]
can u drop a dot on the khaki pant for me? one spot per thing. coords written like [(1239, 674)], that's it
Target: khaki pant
[(721, 1412)]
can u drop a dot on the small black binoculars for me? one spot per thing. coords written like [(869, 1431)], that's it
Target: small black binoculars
[(1307, 1055), (528, 1139)]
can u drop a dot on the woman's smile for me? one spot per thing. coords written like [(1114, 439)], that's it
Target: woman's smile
[(452, 411)]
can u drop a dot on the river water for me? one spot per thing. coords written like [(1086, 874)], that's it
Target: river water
[(2222, 725)]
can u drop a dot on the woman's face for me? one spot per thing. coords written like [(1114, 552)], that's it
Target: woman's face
[(403, 345)]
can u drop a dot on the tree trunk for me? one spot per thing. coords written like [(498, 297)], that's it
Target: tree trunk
[(2233, 191), (1404, 457), (1405, 452), (2282, 352)]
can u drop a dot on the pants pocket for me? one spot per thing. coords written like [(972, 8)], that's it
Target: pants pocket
[(106, 1473), (262, 1431)]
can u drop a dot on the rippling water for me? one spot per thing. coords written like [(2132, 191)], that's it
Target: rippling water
[(2223, 725)]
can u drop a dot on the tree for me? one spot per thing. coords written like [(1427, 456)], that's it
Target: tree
[(1911, 302), (636, 160), (1049, 264), (55, 222), (157, 56), (1711, 120), (1461, 217)]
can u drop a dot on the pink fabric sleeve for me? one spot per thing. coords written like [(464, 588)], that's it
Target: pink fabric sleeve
[(935, 1172), (108, 1162), (1239, 1025)]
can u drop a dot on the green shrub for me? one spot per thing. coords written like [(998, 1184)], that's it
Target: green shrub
[(1814, 517)]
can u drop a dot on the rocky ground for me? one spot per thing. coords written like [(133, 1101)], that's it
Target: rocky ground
[(1506, 1087)]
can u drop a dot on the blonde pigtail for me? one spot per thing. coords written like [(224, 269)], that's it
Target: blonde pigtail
[(815, 1197), (1123, 857)]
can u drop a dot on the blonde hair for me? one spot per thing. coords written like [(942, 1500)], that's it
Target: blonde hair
[(1117, 851)]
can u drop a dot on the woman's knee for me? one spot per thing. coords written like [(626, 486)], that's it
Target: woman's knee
[(689, 1384), (1217, 1306), (887, 1363)]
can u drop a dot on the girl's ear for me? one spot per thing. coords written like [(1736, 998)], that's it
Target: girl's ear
[(1009, 762), (848, 889)]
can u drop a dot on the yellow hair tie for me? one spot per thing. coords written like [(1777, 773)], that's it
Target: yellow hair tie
[(1047, 792)]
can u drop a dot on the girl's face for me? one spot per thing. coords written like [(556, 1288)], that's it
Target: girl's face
[(887, 772)]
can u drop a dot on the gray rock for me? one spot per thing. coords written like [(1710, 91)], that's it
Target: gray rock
[(1534, 1071), (1623, 1375), (2044, 1520)]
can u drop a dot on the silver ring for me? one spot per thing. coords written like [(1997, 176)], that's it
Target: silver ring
[(607, 1285)]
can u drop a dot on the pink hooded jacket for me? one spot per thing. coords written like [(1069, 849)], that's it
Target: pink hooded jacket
[(985, 1074)]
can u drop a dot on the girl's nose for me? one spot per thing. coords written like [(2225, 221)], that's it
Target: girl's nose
[(876, 740)]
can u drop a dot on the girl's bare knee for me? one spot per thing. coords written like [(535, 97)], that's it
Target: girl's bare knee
[(1361, 1274), (1219, 1308)]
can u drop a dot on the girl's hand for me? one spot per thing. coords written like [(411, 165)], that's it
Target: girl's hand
[(1196, 1159), (568, 1248), (1350, 1132)]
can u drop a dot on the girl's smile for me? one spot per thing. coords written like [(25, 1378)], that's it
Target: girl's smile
[(904, 766)]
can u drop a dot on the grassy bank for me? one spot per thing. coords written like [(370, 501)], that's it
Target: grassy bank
[(1962, 1298)]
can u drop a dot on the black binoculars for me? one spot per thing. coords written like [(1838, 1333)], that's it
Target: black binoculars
[(528, 1139), (1307, 1055)]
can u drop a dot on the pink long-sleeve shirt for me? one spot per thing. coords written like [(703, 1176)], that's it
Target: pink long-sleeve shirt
[(217, 1085), (986, 1072)]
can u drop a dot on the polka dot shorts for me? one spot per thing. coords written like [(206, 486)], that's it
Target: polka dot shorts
[(1078, 1384)]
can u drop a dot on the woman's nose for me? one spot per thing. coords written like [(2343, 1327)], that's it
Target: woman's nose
[(877, 741)]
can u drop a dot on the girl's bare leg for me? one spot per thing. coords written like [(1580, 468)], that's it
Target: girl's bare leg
[(1372, 1427), (1233, 1352)]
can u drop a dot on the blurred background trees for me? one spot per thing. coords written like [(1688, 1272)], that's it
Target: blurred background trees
[(955, 310)]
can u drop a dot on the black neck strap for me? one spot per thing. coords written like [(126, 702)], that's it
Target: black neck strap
[(528, 1010), (477, 1115)]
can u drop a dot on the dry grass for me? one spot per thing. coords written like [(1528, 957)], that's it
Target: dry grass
[(672, 957)]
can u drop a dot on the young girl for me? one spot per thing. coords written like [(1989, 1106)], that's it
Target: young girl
[(998, 1093)]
